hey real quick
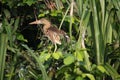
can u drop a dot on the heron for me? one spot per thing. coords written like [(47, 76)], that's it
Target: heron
[(52, 32)]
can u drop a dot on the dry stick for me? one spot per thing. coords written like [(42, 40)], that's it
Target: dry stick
[(47, 3), (36, 20), (35, 14)]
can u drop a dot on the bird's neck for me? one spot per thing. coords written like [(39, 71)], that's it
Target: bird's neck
[(46, 26)]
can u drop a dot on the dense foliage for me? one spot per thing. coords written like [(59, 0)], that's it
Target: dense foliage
[(93, 52)]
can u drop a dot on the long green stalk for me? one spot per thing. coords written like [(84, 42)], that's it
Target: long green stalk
[(3, 48), (64, 17), (71, 17), (84, 21)]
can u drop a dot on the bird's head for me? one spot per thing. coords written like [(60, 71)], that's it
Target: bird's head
[(41, 21)]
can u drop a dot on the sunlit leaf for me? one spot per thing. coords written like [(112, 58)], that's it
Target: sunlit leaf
[(68, 19), (57, 55), (79, 55), (55, 12), (69, 60), (41, 15), (102, 69), (79, 78), (47, 56), (90, 76)]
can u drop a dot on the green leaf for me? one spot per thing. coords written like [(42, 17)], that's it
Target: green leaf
[(102, 69), (79, 78), (57, 55), (79, 55), (68, 19), (90, 76), (7, 13), (43, 14), (55, 12), (69, 60), (29, 2), (42, 57), (11, 21), (16, 24), (112, 71), (21, 38), (8, 29), (64, 1), (47, 56)]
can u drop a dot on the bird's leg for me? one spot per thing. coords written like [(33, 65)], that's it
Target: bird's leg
[(55, 48)]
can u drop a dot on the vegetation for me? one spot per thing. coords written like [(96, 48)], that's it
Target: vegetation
[(92, 54)]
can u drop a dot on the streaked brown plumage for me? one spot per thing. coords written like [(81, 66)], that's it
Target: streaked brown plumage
[(51, 32)]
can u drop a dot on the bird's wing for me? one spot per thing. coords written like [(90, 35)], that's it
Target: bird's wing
[(60, 33), (53, 36)]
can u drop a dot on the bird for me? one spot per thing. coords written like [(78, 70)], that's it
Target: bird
[(52, 32)]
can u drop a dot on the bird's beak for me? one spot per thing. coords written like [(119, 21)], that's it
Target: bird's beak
[(36, 22)]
